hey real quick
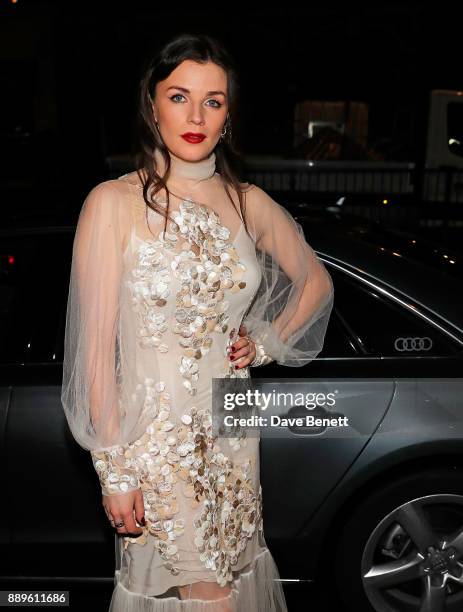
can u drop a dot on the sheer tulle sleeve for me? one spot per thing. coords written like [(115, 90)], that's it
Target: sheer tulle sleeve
[(290, 312), (99, 368)]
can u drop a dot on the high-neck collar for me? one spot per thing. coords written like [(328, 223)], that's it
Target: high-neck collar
[(191, 171)]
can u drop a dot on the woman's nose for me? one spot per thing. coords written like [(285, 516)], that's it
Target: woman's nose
[(196, 116)]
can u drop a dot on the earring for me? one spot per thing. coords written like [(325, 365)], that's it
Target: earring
[(222, 134), (155, 120)]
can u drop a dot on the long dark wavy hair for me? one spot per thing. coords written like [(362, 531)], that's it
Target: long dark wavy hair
[(199, 48)]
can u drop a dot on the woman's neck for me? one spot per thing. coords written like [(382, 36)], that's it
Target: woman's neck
[(186, 174)]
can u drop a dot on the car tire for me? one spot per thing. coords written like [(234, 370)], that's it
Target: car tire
[(366, 516)]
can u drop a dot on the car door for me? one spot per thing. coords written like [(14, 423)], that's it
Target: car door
[(360, 362)]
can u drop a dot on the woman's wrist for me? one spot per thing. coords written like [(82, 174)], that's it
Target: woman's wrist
[(116, 473), (261, 358)]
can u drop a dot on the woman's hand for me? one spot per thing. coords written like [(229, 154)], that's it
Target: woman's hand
[(243, 347), (126, 508)]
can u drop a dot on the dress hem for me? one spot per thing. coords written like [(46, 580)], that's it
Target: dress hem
[(258, 590)]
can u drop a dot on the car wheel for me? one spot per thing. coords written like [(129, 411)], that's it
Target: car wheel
[(401, 549)]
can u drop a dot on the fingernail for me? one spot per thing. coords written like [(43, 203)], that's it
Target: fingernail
[(232, 357), (142, 521), (233, 349)]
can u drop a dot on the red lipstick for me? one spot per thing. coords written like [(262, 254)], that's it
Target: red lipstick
[(193, 138)]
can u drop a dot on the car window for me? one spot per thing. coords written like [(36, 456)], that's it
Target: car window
[(337, 342), (34, 282), (383, 327)]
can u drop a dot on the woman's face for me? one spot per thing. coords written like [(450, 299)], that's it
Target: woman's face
[(193, 99)]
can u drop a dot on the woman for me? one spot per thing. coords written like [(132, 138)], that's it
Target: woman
[(180, 274)]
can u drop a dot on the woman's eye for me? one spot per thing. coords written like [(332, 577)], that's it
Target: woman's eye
[(216, 105)]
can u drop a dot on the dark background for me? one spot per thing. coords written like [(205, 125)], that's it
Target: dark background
[(69, 74)]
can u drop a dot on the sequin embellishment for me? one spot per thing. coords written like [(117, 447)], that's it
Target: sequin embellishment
[(177, 454), (150, 290), (230, 509), (205, 277)]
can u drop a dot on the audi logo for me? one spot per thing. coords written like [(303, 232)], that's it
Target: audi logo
[(413, 344)]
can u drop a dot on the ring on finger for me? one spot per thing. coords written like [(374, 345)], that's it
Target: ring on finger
[(249, 340)]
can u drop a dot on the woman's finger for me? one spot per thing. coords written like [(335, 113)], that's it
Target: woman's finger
[(123, 511), (139, 509), (244, 356), (244, 361), (130, 525), (119, 520), (240, 344), (242, 330), (241, 352)]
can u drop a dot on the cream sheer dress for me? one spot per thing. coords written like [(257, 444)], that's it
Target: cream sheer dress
[(150, 317)]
